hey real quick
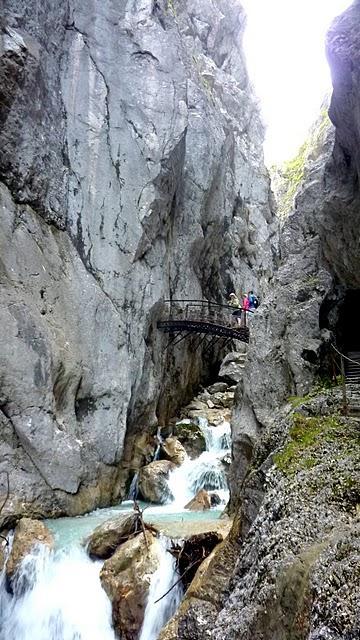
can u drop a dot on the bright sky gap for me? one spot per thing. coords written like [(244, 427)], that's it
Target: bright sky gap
[(285, 50)]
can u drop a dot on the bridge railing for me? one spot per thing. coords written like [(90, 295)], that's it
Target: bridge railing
[(206, 311)]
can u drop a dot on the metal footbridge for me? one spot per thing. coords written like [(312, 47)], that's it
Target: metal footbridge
[(184, 318)]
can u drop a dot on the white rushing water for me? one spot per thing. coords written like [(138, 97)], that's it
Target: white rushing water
[(57, 596), (158, 613), (205, 472)]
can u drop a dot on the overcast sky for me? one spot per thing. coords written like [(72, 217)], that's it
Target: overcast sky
[(284, 46)]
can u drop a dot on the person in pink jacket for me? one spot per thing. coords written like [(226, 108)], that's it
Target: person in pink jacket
[(245, 302)]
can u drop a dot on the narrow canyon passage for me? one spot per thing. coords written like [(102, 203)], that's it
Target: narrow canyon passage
[(179, 323)]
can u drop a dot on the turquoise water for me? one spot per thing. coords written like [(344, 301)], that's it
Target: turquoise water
[(73, 531)]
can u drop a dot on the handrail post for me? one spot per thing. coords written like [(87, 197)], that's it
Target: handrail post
[(345, 405), (243, 318)]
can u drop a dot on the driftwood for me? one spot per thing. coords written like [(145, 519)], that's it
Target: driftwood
[(140, 523), (190, 555), (181, 578), (7, 489), (5, 500), (192, 552)]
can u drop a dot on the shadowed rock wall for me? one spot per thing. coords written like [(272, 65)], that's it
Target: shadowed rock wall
[(131, 170)]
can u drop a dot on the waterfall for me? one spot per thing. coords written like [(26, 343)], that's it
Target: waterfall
[(57, 596), (133, 491), (157, 614), (205, 472), (159, 440)]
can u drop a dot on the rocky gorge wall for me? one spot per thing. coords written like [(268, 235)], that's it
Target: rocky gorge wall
[(130, 171), (319, 263), (289, 568)]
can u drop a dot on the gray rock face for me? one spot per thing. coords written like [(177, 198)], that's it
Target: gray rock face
[(232, 367), (295, 475), (319, 263), (131, 171)]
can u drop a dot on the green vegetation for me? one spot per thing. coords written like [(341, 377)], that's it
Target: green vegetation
[(171, 7), (287, 178), (307, 435)]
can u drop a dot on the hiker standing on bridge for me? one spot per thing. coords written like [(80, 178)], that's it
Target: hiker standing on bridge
[(235, 302), (254, 302)]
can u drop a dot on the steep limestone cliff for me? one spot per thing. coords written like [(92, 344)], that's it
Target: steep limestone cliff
[(295, 476), (130, 171)]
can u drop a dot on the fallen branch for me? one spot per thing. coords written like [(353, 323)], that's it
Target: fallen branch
[(7, 490), (5, 501), (140, 516), (4, 538), (180, 579)]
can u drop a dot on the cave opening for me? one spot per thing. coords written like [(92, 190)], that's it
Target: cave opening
[(348, 324)]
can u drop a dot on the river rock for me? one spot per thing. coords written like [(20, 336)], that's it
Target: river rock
[(223, 399), (153, 484), (126, 579), (200, 502), (28, 533), (143, 450), (218, 387), (191, 437), (103, 541), (173, 450), (215, 499)]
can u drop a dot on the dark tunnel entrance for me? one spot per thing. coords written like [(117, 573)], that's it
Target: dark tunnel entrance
[(348, 324)]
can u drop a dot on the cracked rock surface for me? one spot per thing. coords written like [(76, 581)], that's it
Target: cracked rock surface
[(130, 171)]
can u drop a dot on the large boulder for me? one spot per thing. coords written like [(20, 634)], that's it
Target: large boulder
[(218, 387), (104, 540), (126, 578), (143, 452), (232, 367), (191, 437), (173, 450), (28, 533), (153, 481), (200, 502)]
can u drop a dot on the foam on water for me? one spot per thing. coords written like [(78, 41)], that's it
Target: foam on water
[(205, 472), (158, 612), (57, 596)]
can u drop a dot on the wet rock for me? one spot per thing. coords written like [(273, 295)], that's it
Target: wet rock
[(218, 387), (206, 593), (193, 551), (103, 541), (173, 450), (226, 459), (232, 367), (28, 533), (143, 450), (223, 399), (126, 579), (186, 528), (191, 437), (3, 547), (152, 483), (200, 502), (215, 499), (196, 405)]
